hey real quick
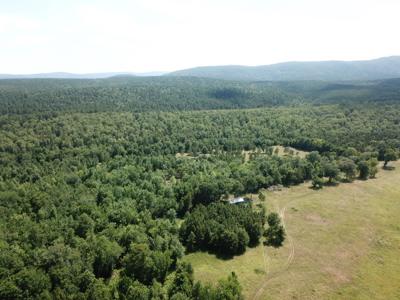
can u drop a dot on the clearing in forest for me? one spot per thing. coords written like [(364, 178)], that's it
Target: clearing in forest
[(276, 150), (343, 243)]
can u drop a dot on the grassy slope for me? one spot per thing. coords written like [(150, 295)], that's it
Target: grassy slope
[(343, 243)]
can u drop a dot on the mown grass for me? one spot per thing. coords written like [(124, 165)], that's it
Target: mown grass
[(282, 151), (345, 244)]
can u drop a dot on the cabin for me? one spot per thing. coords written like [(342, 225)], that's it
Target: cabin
[(239, 200)]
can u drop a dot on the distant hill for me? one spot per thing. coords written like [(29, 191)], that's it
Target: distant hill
[(64, 75), (376, 69), (345, 92), (382, 68)]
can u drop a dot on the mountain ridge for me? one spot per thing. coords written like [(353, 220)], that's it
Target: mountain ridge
[(329, 70), (67, 75), (375, 69)]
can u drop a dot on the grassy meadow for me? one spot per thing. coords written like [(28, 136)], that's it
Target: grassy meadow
[(343, 243)]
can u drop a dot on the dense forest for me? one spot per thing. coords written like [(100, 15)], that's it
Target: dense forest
[(225, 229), (145, 94), (134, 94), (106, 184)]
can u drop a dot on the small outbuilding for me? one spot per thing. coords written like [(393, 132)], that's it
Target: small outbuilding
[(239, 200)]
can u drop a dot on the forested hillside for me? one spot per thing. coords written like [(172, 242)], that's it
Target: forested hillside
[(106, 184), (181, 94), (134, 94), (342, 92), (141, 160), (382, 68), (89, 201)]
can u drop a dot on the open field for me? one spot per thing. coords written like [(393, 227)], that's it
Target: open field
[(343, 243), (278, 150)]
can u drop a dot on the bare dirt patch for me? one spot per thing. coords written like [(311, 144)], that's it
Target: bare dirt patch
[(316, 219), (337, 275)]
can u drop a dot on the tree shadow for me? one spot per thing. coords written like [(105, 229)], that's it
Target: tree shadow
[(326, 184), (259, 272), (254, 245), (331, 183), (219, 255), (388, 168), (223, 256), (276, 246), (345, 180), (316, 188)]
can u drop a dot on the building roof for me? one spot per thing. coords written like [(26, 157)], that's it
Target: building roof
[(237, 200)]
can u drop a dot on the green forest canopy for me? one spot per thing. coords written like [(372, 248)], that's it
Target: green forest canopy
[(121, 94), (91, 187)]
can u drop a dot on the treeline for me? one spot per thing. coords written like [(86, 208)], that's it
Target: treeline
[(226, 174), (223, 228)]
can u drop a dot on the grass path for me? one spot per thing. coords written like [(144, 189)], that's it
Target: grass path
[(290, 257), (289, 260), (288, 238), (343, 243)]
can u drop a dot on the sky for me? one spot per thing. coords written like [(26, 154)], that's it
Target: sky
[(89, 36)]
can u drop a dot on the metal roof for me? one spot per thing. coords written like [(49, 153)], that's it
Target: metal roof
[(237, 200)]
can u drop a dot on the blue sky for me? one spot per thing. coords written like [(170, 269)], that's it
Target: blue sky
[(162, 35)]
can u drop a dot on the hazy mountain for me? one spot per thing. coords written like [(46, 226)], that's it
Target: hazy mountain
[(64, 75), (382, 68)]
